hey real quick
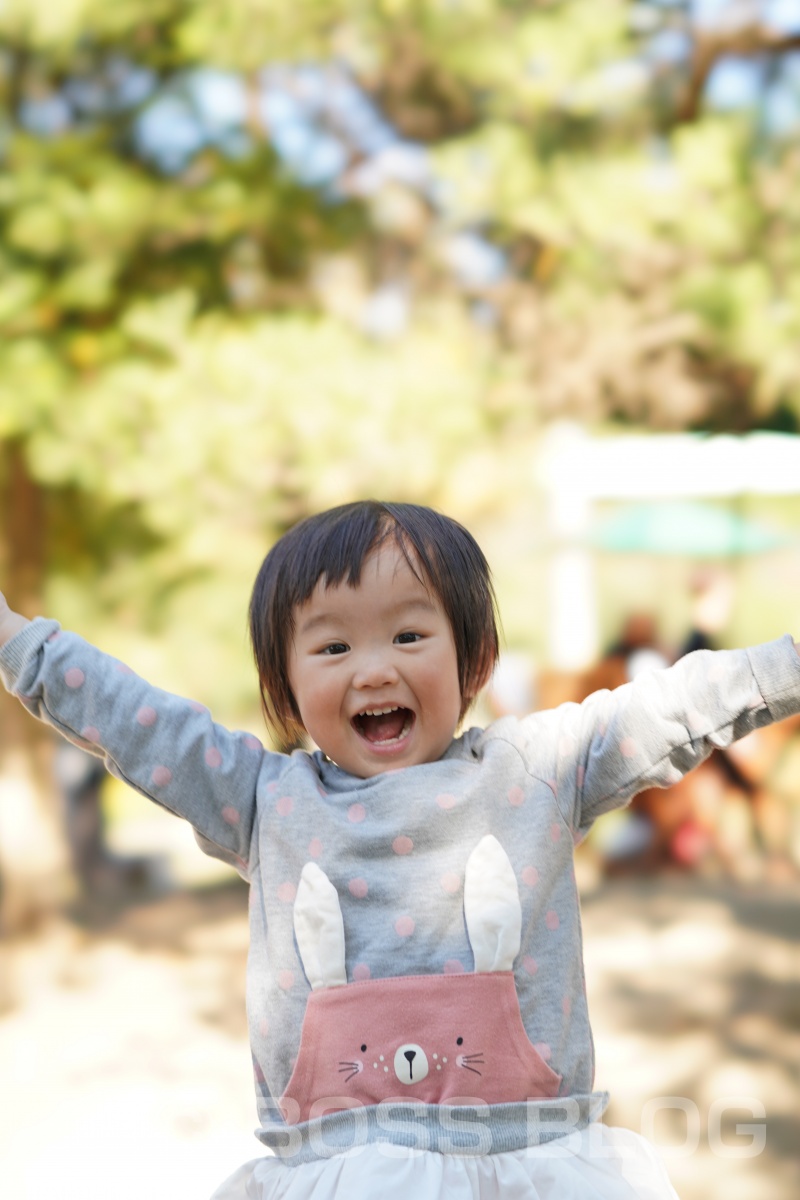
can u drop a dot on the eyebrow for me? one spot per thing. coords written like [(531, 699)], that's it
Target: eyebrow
[(406, 607)]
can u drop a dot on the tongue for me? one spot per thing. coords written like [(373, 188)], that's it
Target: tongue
[(384, 727)]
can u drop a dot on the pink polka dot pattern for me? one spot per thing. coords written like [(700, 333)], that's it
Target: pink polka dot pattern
[(552, 920), (516, 796), (315, 847), (356, 813), (272, 786), (286, 893), (361, 972), (566, 1005), (213, 757), (628, 748), (580, 776), (74, 677), (446, 801), (402, 845), (90, 733), (358, 887), (699, 722), (530, 876), (284, 806), (286, 980), (566, 745), (263, 1027), (197, 707), (553, 785), (161, 776), (543, 1049), (530, 965), (453, 967), (555, 832), (123, 668), (147, 715), (450, 882), (54, 636), (231, 815), (252, 743), (404, 926)]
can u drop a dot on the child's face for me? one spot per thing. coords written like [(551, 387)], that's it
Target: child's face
[(374, 670)]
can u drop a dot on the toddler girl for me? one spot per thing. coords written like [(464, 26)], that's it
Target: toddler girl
[(415, 987)]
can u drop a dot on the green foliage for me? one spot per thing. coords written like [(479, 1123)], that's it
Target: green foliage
[(183, 383)]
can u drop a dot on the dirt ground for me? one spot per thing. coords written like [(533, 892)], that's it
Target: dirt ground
[(125, 1069)]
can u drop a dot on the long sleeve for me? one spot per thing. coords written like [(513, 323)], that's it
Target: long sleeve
[(650, 732), (165, 747)]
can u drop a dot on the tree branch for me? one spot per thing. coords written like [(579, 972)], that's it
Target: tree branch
[(742, 41)]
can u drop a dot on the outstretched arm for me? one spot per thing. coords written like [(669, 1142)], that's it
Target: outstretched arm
[(164, 746), (10, 622), (652, 731)]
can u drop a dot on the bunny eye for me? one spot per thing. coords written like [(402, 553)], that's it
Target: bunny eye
[(363, 1048), (459, 1041)]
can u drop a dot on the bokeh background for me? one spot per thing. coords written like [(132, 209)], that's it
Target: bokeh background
[(534, 263)]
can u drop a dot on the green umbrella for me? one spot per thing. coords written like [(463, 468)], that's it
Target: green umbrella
[(684, 528)]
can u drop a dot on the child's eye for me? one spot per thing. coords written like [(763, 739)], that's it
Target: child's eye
[(404, 639), (334, 648)]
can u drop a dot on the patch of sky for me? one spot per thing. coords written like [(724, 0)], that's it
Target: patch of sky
[(733, 83), (218, 98), (669, 45), (315, 156), (324, 163), (168, 132), (776, 14), (474, 261), (782, 103), (782, 14), (45, 116), (357, 115), (711, 12), (129, 82), (235, 143), (121, 86), (87, 96)]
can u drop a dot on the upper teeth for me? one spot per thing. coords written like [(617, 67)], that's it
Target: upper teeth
[(379, 712)]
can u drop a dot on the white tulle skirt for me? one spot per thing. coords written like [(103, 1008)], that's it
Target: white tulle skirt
[(600, 1163)]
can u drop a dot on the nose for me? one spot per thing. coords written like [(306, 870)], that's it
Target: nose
[(374, 668), (411, 1063)]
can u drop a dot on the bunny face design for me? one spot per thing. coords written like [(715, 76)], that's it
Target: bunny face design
[(439, 1039)]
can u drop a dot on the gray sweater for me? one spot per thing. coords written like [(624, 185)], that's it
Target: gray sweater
[(396, 848)]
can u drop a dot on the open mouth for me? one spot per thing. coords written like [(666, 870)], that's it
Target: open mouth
[(383, 726)]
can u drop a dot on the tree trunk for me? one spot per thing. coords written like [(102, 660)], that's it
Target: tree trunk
[(33, 849)]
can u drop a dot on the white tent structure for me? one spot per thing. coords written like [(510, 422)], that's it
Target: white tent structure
[(576, 469)]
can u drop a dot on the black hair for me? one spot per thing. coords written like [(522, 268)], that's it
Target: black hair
[(334, 546)]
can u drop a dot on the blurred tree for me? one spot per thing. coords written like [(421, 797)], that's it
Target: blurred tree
[(257, 258)]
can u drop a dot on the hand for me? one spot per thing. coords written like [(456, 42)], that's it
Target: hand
[(10, 622)]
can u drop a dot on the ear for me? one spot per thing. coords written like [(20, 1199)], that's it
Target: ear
[(319, 929), (491, 907)]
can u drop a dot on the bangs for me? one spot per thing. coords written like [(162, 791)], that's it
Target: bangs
[(332, 547)]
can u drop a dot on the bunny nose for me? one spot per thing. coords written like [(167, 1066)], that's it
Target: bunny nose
[(410, 1063)]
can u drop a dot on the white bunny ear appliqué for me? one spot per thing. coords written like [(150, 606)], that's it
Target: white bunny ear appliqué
[(491, 907), (319, 929)]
